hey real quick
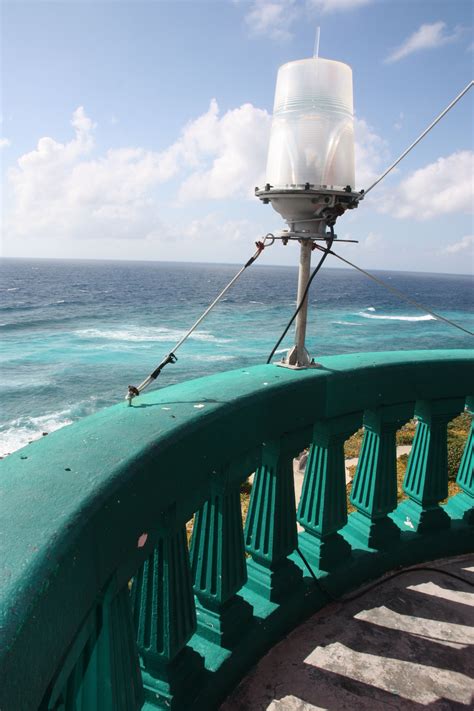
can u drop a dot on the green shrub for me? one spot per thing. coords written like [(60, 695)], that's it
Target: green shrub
[(353, 444), (406, 433), (455, 450)]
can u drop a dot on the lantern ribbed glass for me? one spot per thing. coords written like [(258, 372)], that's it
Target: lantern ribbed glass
[(312, 135)]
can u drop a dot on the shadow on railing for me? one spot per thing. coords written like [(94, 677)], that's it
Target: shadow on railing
[(106, 500)]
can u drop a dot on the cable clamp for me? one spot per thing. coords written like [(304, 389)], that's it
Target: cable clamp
[(132, 392)]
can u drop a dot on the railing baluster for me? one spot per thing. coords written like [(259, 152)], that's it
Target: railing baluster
[(270, 530), (322, 510), (374, 489), (426, 477), (218, 564), (165, 617), (462, 505), (101, 671)]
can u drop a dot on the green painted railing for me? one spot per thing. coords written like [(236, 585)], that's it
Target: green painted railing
[(104, 502)]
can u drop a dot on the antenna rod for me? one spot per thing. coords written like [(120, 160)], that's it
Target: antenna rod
[(427, 130), (316, 43)]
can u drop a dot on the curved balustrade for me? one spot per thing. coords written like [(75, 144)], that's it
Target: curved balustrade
[(104, 502)]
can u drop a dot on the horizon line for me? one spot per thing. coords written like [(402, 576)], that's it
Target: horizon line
[(223, 264)]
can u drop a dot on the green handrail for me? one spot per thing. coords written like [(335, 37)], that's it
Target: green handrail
[(105, 500)]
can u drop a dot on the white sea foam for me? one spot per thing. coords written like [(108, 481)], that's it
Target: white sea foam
[(370, 308), (137, 334), (32, 383), (20, 432), (205, 336), (210, 358), (381, 317), (347, 323)]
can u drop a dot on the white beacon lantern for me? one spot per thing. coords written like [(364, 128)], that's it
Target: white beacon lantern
[(310, 173), (312, 136), (310, 166)]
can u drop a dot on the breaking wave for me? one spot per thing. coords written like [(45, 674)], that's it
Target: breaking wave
[(21, 431), (386, 317), (210, 358), (154, 334)]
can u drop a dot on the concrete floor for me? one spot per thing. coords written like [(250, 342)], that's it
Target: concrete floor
[(407, 644)]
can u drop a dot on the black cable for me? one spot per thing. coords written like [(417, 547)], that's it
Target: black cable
[(298, 308), (315, 578), (317, 582), (403, 572), (365, 590)]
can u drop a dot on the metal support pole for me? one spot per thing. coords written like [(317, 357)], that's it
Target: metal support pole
[(298, 356)]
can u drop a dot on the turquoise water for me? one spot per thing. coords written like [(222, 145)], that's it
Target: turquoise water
[(75, 334)]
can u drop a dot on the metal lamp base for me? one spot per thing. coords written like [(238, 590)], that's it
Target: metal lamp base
[(282, 364), (298, 359)]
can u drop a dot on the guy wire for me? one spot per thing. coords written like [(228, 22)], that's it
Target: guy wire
[(422, 135), (398, 293)]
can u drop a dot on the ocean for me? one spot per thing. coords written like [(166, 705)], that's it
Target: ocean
[(74, 334)]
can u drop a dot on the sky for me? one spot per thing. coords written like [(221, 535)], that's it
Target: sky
[(138, 130)]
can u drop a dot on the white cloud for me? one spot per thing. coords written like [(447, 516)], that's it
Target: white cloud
[(58, 189), (327, 6), (440, 188), (275, 18), (466, 243), (399, 122), (272, 18), (371, 153), (4, 143), (64, 190), (212, 228), (425, 37), (371, 241), (229, 152)]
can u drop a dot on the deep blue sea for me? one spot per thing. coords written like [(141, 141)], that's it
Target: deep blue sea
[(74, 334)]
